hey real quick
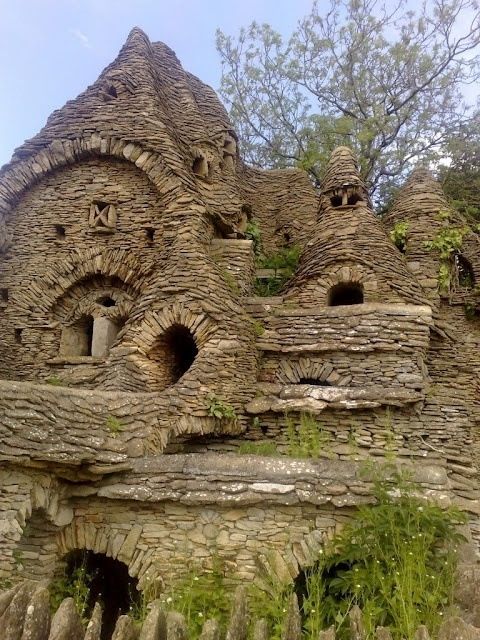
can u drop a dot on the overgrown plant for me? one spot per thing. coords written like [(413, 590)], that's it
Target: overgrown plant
[(398, 235), (396, 559), (141, 601), (284, 264), (75, 585), (307, 439), (219, 409), (252, 232), (201, 596), (447, 242)]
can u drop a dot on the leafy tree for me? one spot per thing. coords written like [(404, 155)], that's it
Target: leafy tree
[(460, 176), (385, 80)]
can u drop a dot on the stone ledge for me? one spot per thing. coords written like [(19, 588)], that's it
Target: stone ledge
[(230, 479)]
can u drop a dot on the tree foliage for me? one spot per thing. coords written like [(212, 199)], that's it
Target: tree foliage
[(382, 78), (460, 177)]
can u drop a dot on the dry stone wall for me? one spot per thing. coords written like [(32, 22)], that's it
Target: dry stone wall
[(129, 337)]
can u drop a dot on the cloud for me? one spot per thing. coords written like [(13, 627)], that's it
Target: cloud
[(81, 37)]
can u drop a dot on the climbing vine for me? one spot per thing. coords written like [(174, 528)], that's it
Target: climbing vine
[(447, 243)]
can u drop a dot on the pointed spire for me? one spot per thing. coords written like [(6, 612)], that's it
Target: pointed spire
[(342, 185)]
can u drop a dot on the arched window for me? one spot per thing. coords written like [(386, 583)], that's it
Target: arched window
[(345, 293), (314, 381), (174, 353)]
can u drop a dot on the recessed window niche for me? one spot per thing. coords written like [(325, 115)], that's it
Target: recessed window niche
[(60, 232), (89, 337), (345, 293), (174, 353)]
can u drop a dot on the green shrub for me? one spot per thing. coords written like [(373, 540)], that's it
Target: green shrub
[(308, 439), (251, 447), (201, 596), (252, 232), (396, 559), (76, 586), (219, 409), (284, 263)]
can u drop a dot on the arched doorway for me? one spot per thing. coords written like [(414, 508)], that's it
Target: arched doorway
[(101, 579)]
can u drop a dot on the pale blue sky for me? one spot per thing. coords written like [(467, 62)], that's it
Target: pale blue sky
[(51, 50)]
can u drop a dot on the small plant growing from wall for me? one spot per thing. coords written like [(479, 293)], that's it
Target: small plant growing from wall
[(252, 232), (307, 439), (398, 235), (114, 425), (75, 585), (220, 410)]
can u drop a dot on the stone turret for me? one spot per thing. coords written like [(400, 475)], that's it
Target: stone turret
[(420, 215), (350, 250), (342, 185)]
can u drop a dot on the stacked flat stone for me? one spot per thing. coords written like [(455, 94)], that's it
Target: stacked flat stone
[(129, 209)]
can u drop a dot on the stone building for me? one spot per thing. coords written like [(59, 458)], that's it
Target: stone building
[(137, 358)]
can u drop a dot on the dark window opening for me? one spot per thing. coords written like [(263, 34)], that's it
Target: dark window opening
[(466, 277), (108, 582), (345, 293), (354, 198), (19, 336), (201, 167), (183, 349), (336, 201), (89, 335), (112, 91), (60, 232), (174, 353), (4, 295), (106, 301), (314, 381), (150, 234)]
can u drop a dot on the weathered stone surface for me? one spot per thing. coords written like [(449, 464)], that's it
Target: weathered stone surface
[(329, 634), (155, 624), (292, 626), (457, 629), (211, 631), (125, 629), (357, 631), (238, 623), (176, 626), (422, 634), (13, 618), (94, 626), (37, 618), (66, 623)]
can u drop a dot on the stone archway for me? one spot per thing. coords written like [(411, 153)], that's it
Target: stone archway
[(97, 577)]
